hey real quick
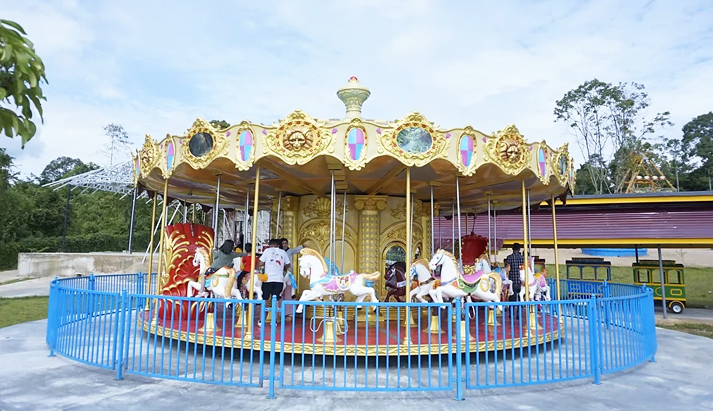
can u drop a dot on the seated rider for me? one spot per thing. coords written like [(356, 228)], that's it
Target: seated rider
[(222, 257), (246, 264)]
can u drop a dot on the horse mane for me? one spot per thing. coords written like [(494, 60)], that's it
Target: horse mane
[(451, 256), (206, 256), (315, 253), (421, 261)]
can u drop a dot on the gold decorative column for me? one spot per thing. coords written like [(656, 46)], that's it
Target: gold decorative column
[(288, 215), (369, 208), (426, 225)]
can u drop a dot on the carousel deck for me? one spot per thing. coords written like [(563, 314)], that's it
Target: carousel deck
[(383, 334)]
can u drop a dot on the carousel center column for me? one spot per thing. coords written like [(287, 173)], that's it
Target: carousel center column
[(370, 208), (290, 207)]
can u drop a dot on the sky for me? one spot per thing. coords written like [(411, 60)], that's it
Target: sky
[(156, 66)]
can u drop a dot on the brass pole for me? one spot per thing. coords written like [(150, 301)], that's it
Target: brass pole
[(163, 235), (251, 307), (525, 242), (153, 224), (408, 234), (554, 233)]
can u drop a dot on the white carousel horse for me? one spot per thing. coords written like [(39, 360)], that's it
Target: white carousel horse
[(221, 283), (455, 284), (322, 284), (423, 279), (537, 283)]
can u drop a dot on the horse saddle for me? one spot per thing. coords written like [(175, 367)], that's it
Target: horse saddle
[(471, 279)]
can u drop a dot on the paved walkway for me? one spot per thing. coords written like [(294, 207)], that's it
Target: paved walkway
[(30, 380)]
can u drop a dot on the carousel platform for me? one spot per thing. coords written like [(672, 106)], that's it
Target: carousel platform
[(385, 333)]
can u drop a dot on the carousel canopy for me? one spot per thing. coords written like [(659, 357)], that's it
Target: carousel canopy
[(368, 157)]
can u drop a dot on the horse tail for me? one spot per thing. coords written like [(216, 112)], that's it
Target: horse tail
[(371, 277), (498, 283)]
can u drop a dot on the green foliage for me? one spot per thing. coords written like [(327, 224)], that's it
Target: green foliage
[(697, 148), (21, 73), (219, 124), (609, 123)]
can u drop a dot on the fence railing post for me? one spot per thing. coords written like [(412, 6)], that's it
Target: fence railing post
[(594, 339), (119, 354), (459, 351), (273, 344), (650, 322), (52, 317)]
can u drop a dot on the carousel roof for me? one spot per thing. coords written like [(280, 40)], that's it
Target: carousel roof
[(368, 157)]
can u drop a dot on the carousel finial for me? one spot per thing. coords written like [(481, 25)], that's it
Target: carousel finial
[(353, 95)]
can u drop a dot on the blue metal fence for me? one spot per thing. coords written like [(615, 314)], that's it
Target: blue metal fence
[(111, 322)]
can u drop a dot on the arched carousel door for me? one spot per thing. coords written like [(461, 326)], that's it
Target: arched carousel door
[(393, 253)]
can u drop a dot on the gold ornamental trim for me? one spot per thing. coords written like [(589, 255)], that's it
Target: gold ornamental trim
[(321, 208), (469, 344), (298, 139), (508, 150), (389, 141), (150, 155), (219, 145), (561, 163)]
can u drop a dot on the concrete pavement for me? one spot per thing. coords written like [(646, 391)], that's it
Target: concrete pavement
[(30, 380)]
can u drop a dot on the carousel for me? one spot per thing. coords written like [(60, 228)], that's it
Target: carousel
[(369, 201)]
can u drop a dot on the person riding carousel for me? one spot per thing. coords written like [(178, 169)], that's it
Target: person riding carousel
[(222, 257)]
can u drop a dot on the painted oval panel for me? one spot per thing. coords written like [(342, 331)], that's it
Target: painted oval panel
[(466, 150), (170, 154), (355, 141), (246, 144), (137, 169), (541, 160), (414, 140)]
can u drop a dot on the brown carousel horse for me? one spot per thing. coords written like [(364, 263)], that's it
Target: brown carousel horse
[(421, 280)]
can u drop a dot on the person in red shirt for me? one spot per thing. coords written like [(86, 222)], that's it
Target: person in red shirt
[(247, 265)]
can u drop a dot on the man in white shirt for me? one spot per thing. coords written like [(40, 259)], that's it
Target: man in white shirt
[(275, 261)]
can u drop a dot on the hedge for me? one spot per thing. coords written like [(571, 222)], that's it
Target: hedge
[(74, 244)]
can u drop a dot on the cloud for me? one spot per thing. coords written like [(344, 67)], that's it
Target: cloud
[(156, 66)]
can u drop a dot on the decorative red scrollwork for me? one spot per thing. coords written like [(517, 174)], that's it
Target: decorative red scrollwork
[(180, 246)]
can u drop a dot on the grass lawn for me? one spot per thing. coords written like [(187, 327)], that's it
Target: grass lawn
[(703, 330), (19, 310), (699, 283)]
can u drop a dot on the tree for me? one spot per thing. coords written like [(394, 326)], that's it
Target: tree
[(21, 73), (697, 147), (118, 144), (219, 124), (59, 168), (609, 123)]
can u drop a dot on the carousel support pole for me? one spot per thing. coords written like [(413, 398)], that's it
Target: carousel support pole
[(251, 314), (440, 237), (216, 214), (277, 219), (663, 284), (245, 216), (162, 241), (185, 212), (529, 225), (153, 221), (344, 226), (66, 218), (133, 215), (525, 254), (194, 213), (495, 232), (554, 236), (433, 238), (453, 227), (636, 252), (460, 232), (409, 211), (490, 238)]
